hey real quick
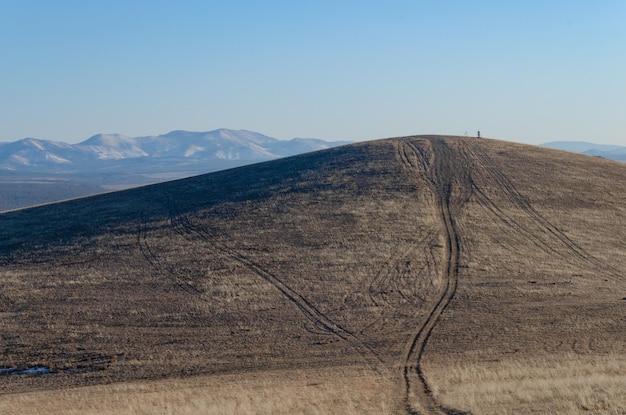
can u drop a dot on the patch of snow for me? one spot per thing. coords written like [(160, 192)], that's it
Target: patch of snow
[(220, 155), (20, 159), (35, 370), (193, 150), (56, 159), (34, 143)]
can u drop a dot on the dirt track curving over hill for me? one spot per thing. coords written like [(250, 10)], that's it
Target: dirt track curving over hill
[(426, 262), (432, 164)]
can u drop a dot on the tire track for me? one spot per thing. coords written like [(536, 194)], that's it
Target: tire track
[(493, 209), (389, 277), (156, 263), (432, 163), (311, 312), (489, 168), (181, 225)]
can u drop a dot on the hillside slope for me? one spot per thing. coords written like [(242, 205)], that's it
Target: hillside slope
[(430, 262)]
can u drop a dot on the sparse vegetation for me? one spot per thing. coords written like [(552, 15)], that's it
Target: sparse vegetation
[(324, 392), (567, 384)]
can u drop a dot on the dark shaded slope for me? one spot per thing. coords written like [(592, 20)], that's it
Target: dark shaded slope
[(94, 215)]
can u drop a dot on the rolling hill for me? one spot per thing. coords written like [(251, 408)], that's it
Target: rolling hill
[(414, 275)]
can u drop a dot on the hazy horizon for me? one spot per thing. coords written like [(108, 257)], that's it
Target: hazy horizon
[(531, 72), (468, 134)]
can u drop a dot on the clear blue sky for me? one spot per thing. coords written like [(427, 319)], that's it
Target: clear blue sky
[(527, 71)]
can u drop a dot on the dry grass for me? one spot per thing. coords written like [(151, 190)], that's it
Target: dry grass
[(315, 392), (570, 384)]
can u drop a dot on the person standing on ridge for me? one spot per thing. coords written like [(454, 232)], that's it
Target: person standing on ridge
[(478, 134)]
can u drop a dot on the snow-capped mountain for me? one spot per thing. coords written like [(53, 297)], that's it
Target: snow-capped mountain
[(218, 144), (222, 144), (31, 151), (110, 147)]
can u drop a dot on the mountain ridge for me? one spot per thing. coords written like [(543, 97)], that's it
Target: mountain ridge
[(222, 144), (607, 151)]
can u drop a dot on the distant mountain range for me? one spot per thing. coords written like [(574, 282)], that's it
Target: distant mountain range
[(222, 144), (34, 171), (611, 152)]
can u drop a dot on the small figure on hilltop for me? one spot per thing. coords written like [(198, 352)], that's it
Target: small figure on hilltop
[(478, 135)]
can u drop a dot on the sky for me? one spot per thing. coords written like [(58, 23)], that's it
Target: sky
[(525, 71)]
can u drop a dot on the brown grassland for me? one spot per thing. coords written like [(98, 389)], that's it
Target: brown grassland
[(417, 275)]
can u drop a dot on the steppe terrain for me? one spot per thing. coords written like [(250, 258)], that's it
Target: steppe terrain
[(416, 275)]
